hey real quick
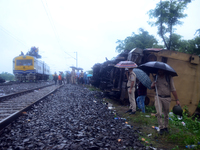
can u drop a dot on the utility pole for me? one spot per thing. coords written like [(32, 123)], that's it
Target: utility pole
[(76, 59)]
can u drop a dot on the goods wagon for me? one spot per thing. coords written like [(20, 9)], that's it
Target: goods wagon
[(113, 80), (29, 68)]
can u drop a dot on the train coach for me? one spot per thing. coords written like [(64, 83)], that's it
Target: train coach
[(113, 80), (29, 68)]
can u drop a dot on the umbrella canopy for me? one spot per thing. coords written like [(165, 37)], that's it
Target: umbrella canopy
[(154, 66), (79, 68), (142, 77), (72, 67), (126, 64)]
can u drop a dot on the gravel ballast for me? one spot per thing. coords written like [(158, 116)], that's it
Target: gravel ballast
[(72, 118)]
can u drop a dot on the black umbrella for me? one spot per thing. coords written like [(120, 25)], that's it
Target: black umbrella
[(154, 66)]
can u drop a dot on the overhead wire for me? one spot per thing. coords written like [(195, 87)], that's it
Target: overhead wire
[(13, 36), (50, 20), (53, 25)]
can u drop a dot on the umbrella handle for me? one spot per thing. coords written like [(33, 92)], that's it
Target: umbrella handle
[(157, 96)]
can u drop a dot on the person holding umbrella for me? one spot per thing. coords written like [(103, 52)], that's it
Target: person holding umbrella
[(131, 83), (164, 86), (131, 90)]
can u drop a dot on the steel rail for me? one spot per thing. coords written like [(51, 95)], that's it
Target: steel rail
[(16, 82), (5, 122), (2, 98)]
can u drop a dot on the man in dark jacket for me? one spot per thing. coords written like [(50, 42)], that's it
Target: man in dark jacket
[(55, 78), (142, 92)]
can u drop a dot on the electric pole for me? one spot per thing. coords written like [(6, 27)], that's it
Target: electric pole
[(76, 59)]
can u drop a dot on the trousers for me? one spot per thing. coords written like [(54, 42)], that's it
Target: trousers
[(164, 104), (140, 102), (73, 80), (132, 100)]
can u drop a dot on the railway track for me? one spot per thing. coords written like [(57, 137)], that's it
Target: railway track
[(13, 105), (15, 82), (19, 87), (13, 95)]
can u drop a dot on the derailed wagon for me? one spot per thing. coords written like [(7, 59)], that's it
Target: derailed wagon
[(113, 80)]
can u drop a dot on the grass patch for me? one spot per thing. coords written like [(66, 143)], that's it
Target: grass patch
[(92, 88), (179, 135)]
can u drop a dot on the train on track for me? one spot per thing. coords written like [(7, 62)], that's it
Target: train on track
[(113, 80), (30, 68)]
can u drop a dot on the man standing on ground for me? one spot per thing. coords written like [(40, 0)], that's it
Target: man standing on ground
[(81, 77), (73, 74), (67, 77), (63, 78), (131, 90), (85, 78), (55, 78), (165, 85), (60, 79)]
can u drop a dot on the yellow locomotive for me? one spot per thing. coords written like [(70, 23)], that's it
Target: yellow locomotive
[(29, 68)]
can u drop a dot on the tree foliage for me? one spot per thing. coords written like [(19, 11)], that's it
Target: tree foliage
[(34, 52), (187, 46), (197, 32), (190, 46), (165, 16), (7, 76), (90, 71), (142, 40)]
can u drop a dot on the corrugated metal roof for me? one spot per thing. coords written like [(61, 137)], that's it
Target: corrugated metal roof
[(153, 49)]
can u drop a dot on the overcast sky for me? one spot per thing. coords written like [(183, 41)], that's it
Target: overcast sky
[(60, 28)]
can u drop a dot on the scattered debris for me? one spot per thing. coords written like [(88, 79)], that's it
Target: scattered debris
[(149, 135)]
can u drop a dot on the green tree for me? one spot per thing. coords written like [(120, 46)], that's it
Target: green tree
[(142, 40), (197, 32), (90, 71), (176, 41), (187, 46), (7, 76), (191, 46), (165, 16)]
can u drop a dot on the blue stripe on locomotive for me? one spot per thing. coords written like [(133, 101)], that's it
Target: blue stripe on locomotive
[(23, 72)]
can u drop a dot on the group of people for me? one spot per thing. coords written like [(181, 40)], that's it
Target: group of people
[(71, 77), (79, 77), (60, 78), (164, 85)]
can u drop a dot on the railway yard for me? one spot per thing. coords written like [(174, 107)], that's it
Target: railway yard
[(64, 117)]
